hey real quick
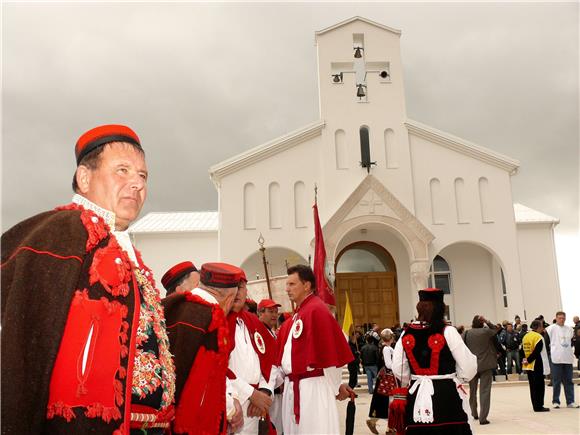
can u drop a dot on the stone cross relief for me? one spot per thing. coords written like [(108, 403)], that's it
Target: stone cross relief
[(369, 202)]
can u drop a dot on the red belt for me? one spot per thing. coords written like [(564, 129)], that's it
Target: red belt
[(143, 417), (296, 378)]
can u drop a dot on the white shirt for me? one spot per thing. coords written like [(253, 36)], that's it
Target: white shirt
[(388, 357), (561, 343), (108, 216), (465, 361)]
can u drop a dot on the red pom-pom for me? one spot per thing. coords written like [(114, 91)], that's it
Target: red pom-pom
[(397, 409)]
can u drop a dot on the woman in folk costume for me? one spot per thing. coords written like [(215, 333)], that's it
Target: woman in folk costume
[(436, 361), (379, 408)]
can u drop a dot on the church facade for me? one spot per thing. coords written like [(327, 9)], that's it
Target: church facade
[(403, 206)]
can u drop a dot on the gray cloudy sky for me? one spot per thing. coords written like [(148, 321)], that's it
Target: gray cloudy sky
[(200, 83)]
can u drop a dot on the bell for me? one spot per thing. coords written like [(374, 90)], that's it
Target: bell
[(337, 78), (360, 92), (357, 52)]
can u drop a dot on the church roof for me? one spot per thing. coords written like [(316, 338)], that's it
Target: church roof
[(176, 222), (261, 152), (357, 18), (526, 215), (463, 146)]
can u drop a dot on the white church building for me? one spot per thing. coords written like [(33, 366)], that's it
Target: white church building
[(403, 206)]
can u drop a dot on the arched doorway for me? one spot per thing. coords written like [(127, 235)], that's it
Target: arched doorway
[(367, 272)]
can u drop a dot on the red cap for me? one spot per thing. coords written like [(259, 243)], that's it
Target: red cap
[(176, 273), (103, 135), (268, 303), (221, 275)]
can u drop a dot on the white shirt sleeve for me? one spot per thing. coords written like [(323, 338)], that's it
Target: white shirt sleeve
[(333, 376), (230, 408), (465, 361), (268, 385), (241, 390), (400, 363), (388, 357)]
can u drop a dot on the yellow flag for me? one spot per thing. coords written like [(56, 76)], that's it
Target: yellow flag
[(347, 321)]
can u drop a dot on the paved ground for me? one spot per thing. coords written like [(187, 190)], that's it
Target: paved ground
[(511, 413)]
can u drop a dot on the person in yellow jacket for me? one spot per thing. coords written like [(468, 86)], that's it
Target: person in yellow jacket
[(536, 364)]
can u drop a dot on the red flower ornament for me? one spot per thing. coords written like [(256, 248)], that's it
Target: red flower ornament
[(112, 268)]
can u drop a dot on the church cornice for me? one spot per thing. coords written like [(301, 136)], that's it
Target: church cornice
[(463, 146), (264, 151), (357, 18)]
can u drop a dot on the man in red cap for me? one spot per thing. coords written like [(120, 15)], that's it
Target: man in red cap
[(268, 315), (200, 342), (312, 352), (84, 345), (182, 277), (252, 361)]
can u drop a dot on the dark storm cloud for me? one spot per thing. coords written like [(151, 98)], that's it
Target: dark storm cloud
[(201, 83)]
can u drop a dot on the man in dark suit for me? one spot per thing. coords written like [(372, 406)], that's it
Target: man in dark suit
[(480, 341)]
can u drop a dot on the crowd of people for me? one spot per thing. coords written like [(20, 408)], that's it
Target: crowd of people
[(541, 352), (88, 345)]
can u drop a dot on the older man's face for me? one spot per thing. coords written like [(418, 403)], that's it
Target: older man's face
[(241, 297), (119, 183)]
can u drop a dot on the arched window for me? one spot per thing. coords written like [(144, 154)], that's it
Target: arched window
[(275, 205), (365, 147), (340, 149), (390, 149), (436, 201), (460, 201), (249, 206), (503, 289), (300, 205), (485, 200), (365, 257), (440, 275)]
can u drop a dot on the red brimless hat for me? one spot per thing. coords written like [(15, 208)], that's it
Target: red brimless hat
[(176, 273), (103, 135), (221, 275)]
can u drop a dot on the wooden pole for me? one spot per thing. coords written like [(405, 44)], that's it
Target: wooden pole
[(263, 249)]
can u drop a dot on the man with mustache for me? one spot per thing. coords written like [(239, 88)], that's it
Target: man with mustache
[(84, 345)]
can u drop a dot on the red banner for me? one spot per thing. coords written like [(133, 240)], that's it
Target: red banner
[(323, 290)]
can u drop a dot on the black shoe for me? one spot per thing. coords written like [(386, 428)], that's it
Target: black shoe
[(484, 422), (475, 417), (542, 410)]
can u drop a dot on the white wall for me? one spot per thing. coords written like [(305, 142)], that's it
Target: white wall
[(286, 168), (431, 160), (473, 288), (539, 270), (341, 109), (163, 250)]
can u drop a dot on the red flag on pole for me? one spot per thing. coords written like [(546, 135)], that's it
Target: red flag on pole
[(323, 289)]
